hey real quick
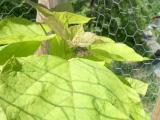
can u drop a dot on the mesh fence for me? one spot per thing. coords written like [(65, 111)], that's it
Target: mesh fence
[(129, 21), (16, 8), (134, 22)]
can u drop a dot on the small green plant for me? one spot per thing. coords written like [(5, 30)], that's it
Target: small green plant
[(72, 81)]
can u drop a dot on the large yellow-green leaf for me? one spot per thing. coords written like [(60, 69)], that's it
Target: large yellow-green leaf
[(117, 51), (19, 30), (50, 88)]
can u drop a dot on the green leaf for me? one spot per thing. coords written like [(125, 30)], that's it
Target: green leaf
[(59, 47), (118, 51), (59, 21), (85, 39), (71, 18), (1, 68), (99, 55), (20, 49), (76, 29), (64, 6), (52, 21), (58, 27), (105, 39), (20, 30), (48, 87), (138, 85), (2, 114), (3, 46)]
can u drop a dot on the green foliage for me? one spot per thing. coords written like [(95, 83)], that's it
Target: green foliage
[(153, 5), (70, 83), (139, 86), (121, 52), (121, 20), (60, 89), (21, 30)]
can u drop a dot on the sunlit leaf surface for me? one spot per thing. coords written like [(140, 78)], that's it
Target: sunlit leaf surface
[(20, 49), (117, 51), (20, 30), (50, 88), (138, 85)]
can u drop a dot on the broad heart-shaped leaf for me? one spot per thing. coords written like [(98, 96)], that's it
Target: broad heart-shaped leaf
[(20, 49), (19, 30), (51, 88), (116, 51)]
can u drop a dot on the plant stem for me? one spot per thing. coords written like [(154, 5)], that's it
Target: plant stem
[(44, 48)]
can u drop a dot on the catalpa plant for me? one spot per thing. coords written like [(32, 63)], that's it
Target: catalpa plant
[(71, 82)]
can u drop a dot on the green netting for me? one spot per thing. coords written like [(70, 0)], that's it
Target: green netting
[(127, 21)]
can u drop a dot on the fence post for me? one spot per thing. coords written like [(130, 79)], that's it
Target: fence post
[(43, 49), (156, 112)]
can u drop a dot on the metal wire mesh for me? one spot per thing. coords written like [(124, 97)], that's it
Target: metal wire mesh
[(126, 21), (16, 8), (129, 21)]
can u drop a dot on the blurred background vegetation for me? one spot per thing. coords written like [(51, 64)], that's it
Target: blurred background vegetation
[(16, 8)]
